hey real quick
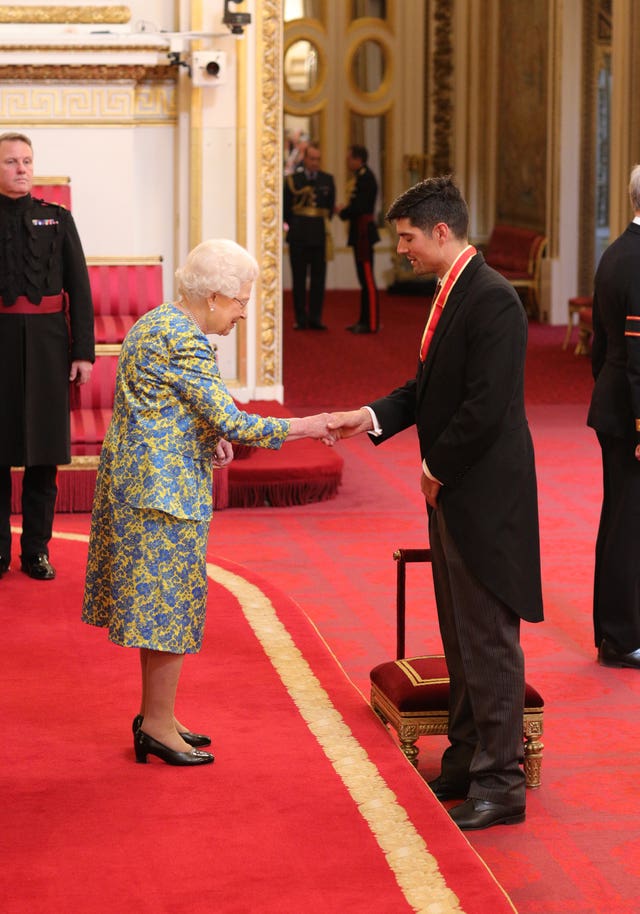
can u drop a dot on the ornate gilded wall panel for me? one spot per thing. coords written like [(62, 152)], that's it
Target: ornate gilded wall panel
[(522, 114), (441, 90), (269, 188)]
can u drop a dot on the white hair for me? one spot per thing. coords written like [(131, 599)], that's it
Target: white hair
[(634, 187), (217, 265)]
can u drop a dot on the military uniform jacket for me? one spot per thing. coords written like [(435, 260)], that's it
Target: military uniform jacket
[(363, 232), (307, 204), (615, 402), (40, 255), (467, 401)]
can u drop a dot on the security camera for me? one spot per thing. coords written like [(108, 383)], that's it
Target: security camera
[(208, 68), (235, 21)]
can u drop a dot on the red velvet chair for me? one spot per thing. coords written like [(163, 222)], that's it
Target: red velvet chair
[(53, 190), (585, 328), (517, 254)]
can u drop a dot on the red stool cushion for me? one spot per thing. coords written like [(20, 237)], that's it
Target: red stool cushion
[(418, 684)]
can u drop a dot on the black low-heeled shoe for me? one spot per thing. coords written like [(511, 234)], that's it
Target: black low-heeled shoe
[(146, 745), (197, 740)]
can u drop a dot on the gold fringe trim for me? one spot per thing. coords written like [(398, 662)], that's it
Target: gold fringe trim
[(414, 868)]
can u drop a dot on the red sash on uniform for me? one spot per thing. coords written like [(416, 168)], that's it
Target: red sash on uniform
[(50, 304)]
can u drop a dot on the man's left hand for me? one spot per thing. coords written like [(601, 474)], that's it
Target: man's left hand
[(80, 372), (430, 489)]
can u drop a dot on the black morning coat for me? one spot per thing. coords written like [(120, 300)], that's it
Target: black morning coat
[(467, 402), (40, 255), (615, 402)]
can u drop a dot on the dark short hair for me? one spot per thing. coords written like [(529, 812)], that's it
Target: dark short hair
[(431, 201), (359, 152)]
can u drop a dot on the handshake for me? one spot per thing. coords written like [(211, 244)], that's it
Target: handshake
[(330, 427)]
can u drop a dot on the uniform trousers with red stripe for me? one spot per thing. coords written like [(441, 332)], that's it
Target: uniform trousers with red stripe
[(369, 300)]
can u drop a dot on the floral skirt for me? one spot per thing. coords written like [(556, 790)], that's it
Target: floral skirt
[(146, 578)]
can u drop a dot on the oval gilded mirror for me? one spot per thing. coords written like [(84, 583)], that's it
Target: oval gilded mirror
[(301, 65)]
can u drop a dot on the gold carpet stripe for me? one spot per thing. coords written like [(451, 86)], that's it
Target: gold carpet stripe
[(414, 868)]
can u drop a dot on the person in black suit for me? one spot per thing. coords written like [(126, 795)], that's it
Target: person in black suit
[(615, 415), (309, 202), (363, 234), (46, 341), (479, 482)]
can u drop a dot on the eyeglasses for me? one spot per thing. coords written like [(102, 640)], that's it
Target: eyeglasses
[(243, 302)]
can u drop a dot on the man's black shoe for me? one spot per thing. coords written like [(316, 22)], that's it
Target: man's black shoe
[(38, 567), (446, 790), (299, 326), (609, 656), (359, 328), (475, 814), (318, 327), (5, 561)]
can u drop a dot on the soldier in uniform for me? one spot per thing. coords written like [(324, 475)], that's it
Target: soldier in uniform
[(309, 200), (363, 234), (46, 341)]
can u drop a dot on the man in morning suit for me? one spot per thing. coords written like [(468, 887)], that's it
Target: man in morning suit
[(479, 482), (615, 415), (309, 201), (363, 234), (46, 341)]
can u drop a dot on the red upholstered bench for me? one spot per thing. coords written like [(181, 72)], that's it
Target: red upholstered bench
[(92, 408), (412, 694), (123, 289), (517, 253)]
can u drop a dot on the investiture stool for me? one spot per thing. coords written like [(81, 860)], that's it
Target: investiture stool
[(309, 200)]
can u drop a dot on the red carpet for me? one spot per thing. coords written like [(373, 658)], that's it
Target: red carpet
[(309, 807), (577, 852), (337, 369)]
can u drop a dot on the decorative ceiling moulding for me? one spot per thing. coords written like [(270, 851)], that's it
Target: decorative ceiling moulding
[(68, 15), (87, 73)]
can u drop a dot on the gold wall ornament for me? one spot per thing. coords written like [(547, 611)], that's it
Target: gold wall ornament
[(442, 155), (75, 15), (97, 104), (86, 72), (269, 139)]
